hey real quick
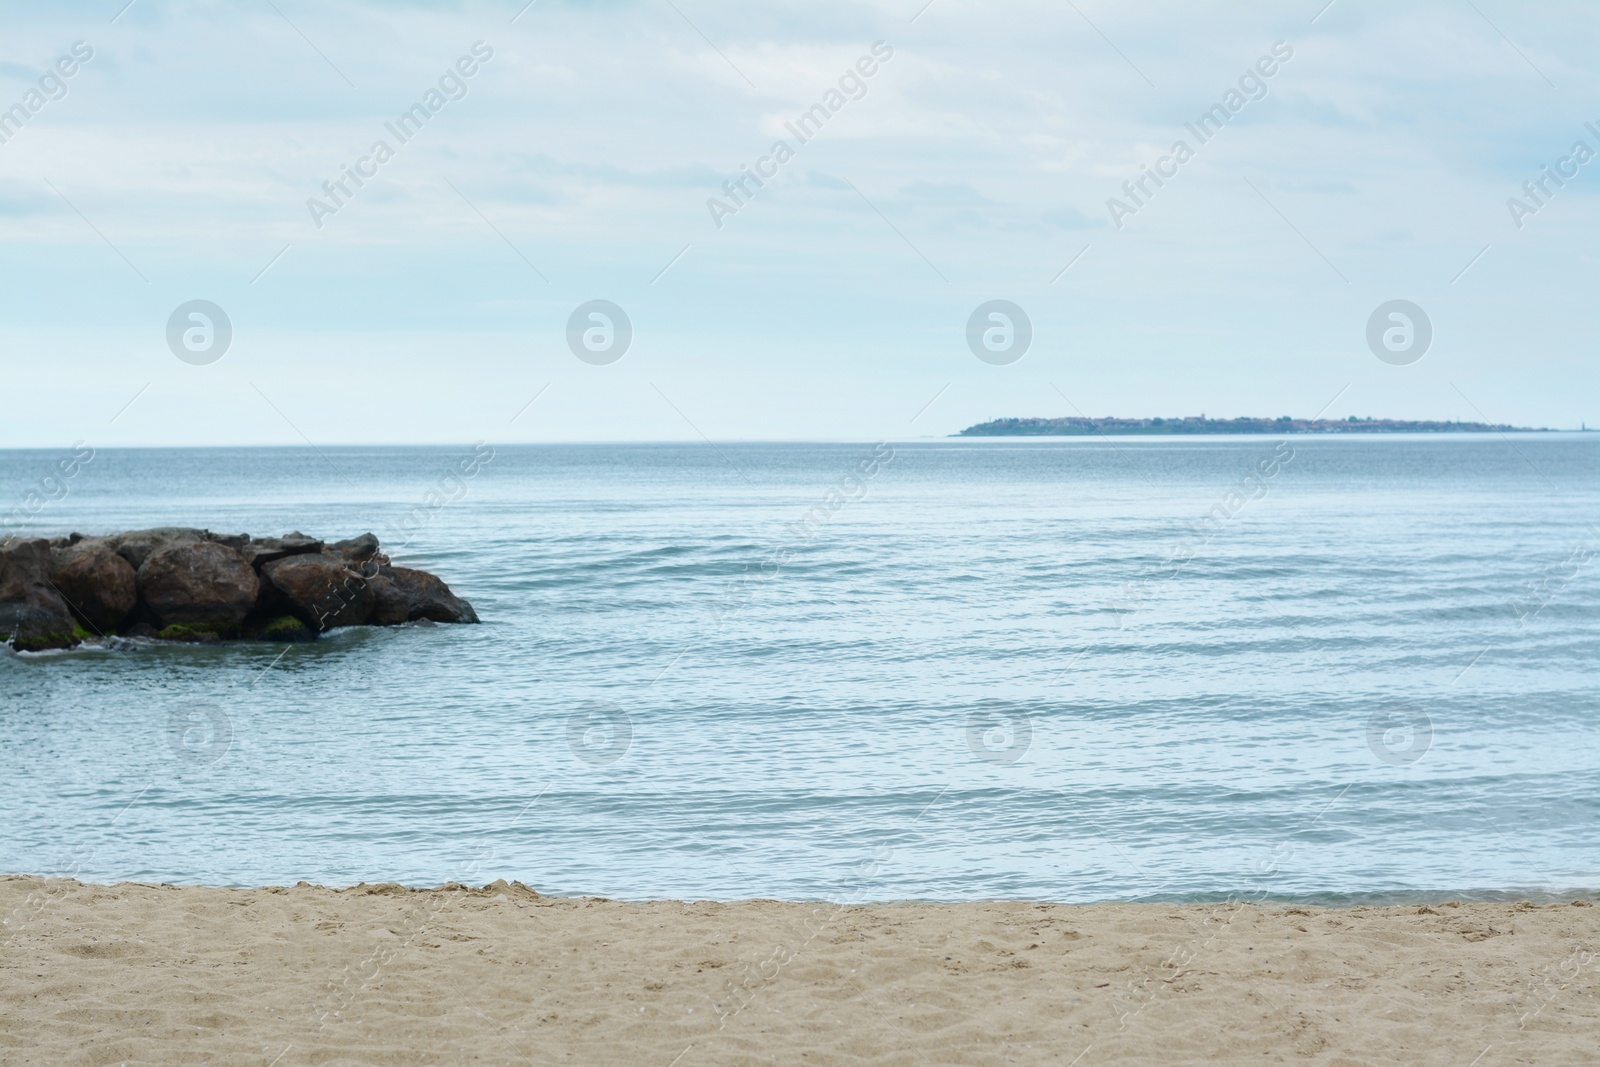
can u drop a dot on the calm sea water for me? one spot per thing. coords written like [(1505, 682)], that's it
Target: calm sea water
[(1329, 669)]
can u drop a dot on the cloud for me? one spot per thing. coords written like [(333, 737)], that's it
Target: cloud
[(826, 181), (989, 146), (944, 192)]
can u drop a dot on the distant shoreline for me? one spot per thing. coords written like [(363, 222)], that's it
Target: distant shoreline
[(1199, 424)]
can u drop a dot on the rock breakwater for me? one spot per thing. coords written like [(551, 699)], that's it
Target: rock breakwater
[(182, 584)]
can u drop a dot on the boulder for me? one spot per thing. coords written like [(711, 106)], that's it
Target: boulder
[(321, 590), (356, 549), (270, 603), (233, 541), (271, 549), (43, 622), (390, 606), (137, 546), (23, 563), (100, 586), (285, 629), (32, 614), (64, 550), (429, 598), (198, 583)]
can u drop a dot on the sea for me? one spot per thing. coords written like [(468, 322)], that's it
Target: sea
[(1330, 669)]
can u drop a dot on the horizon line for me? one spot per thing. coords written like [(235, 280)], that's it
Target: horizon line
[(957, 436)]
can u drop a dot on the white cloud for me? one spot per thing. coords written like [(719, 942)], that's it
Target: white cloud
[(985, 150)]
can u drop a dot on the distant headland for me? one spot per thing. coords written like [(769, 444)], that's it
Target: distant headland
[(1199, 424)]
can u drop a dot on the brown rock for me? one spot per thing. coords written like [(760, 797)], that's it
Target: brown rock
[(198, 584), (390, 606), (137, 546), (63, 550), (22, 563), (32, 614), (285, 629), (356, 549), (429, 598), (43, 621), (271, 549), (100, 587), (321, 590)]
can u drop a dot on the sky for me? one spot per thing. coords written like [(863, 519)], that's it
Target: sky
[(990, 154)]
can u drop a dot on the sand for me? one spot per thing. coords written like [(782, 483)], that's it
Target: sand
[(279, 977)]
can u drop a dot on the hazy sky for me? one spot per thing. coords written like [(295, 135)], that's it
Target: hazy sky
[(576, 162)]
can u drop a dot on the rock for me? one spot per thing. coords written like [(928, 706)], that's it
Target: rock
[(284, 628), (322, 591), (138, 546), (100, 587), (299, 542), (429, 598), (390, 605), (198, 583), (43, 621), (260, 553), (270, 602), (33, 617), (271, 549), (356, 549), (23, 563), (63, 550), (177, 583)]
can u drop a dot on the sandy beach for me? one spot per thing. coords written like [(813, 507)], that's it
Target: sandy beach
[(144, 974)]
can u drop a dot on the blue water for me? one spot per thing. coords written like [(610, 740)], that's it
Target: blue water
[(990, 671)]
